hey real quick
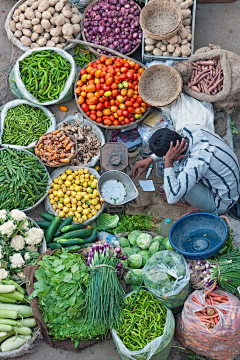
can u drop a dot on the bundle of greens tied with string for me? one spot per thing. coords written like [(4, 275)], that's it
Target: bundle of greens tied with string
[(82, 56)]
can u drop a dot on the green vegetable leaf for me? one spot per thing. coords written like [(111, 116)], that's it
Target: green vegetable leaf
[(107, 221)]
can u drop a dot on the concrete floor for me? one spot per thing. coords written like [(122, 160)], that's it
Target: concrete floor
[(216, 23)]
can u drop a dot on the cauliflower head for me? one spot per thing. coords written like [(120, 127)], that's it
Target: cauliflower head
[(18, 215), (34, 236), (7, 228), (3, 215), (3, 274), (17, 242), (17, 261)]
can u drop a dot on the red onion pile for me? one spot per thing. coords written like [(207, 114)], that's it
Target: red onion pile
[(114, 24)]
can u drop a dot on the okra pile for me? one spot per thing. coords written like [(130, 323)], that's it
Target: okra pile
[(23, 179), (44, 74)]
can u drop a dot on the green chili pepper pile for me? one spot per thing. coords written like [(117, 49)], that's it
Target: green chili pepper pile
[(23, 180), (24, 124), (83, 57), (44, 74), (144, 320)]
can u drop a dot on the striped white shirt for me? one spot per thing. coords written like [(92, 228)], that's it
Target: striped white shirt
[(208, 160)]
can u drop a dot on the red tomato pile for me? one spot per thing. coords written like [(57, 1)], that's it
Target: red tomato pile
[(108, 91)]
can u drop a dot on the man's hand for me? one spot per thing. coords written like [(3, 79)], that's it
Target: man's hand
[(175, 152), (141, 166)]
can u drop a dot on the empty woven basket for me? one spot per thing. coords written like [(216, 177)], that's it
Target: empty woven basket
[(160, 85), (160, 19)]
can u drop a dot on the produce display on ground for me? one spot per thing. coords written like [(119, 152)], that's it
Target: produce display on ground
[(44, 74), (24, 180), (82, 57), (24, 125), (45, 23), (107, 91)]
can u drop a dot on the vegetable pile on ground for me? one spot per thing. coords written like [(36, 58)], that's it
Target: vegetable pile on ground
[(113, 24), (45, 23), (207, 76), (108, 91), (44, 74), (19, 243), (61, 286), (224, 270), (133, 222), (16, 321), (74, 193), (64, 234), (86, 142), (24, 180), (24, 124), (55, 148), (138, 248), (104, 295), (144, 320)]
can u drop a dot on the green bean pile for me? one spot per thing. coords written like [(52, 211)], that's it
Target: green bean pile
[(23, 180), (44, 74), (144, 320), (24, 124)]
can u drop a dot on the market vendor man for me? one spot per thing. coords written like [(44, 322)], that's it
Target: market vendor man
[(207, 176)]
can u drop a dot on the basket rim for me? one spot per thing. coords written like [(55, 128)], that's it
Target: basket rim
[(152, 69), (83, 34), (112, 127), (158, 3)]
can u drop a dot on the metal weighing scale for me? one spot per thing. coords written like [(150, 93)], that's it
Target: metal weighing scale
[(113, 156)]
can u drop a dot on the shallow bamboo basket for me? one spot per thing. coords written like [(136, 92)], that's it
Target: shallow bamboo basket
[(161, 19), (160, 85)]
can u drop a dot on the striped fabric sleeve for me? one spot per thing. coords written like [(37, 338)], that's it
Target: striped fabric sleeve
[(176, 187)]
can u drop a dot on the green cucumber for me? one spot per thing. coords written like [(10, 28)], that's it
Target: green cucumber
[(69, 242), (92, 237), (73, 248), (81, 233), (54, 246), (67, 221), (43, 224), (46, 216), (52, 229), (72, 227)]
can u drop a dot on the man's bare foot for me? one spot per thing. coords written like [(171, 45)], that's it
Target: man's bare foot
[(190, 210)]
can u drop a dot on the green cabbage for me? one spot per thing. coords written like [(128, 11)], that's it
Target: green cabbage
[(134, 277), (128, 251), (158, 238), (144, 241), (135, 261), (132, 237), (107, 221), (123, 242), (145, 256), (167, 244), (154, 247)]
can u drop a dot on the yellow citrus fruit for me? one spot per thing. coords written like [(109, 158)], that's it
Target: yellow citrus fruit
[(92, 177), (84, 217), (94, 212), (85, 171), (68, 183), (52, 201), (68, 171), (61, 214), (64, 176), (51, 196), (97, 167), (75, 219), (65, 209), (80, 220), (98, 206), (55, 180), (80, 171), (60, 206), (54, 206)]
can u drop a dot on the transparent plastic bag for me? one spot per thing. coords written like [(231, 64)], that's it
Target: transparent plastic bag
[(157, 349), (146, 131), (19, 90), (166, 276), (223, 341), (15, 103)]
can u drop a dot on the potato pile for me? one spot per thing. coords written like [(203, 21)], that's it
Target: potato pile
[(38, 23), (178, 45)]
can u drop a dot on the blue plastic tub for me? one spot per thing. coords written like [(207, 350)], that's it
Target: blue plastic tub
[(198, 236)]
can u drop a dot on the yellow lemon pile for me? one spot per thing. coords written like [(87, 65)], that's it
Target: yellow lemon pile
[(74, 193)]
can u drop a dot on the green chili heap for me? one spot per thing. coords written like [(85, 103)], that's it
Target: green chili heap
[(44, 74), (144, 320)]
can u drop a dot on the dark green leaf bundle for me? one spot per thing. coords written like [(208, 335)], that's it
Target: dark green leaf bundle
[(133, 222)]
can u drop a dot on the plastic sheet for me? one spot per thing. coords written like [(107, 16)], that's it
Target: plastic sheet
[(223, 341), (166, 276)]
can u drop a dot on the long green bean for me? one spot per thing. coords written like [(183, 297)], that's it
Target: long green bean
[(44, 74), (144, 320), (24, 180), (24, 124)]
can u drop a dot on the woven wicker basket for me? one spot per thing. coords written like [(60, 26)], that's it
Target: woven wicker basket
[(84, 37), (160, 85), (112, 127), (160, 19)]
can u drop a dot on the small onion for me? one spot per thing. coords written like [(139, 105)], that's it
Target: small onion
[(118, 250)]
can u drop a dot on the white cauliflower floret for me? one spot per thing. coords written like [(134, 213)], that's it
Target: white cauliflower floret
[(26, 256), (25, 225), (20, 275), (3, 274), (17, 261), (3, 215), (32, 248), (17, 242), (34, 236), (7, 228), (18, 215)]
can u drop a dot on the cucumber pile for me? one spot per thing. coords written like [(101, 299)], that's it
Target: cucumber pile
[(63, 234)]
